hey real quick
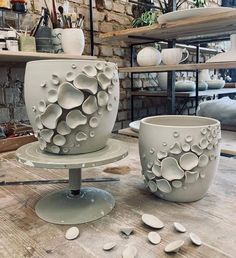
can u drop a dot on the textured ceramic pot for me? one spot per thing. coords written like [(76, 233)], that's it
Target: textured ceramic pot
[(173, 56), (179, 155), (149, 56), (73, 41), (56, 40), (72, 105)]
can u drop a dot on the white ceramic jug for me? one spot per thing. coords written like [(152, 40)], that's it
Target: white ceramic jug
[(149, 56), (173, 56)]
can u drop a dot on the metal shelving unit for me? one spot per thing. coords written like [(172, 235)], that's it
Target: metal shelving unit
[(189, 31)]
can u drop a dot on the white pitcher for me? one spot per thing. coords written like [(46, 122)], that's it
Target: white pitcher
[(173, 56)]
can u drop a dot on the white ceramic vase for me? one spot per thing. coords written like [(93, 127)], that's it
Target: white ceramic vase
[(179, 155), (73, 41), (229, 56), (162, 80), (149, 56), (204, 75), (56, 40), (72, 105)]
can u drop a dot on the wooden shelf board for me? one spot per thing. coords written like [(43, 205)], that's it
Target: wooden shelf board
[(222, 24), (8, 56), (191, 94), (179, 67)]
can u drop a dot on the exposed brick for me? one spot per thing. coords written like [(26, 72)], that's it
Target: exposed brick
[(118, 18), (4, 115), (108, 4), (106, 51), (117, 7)]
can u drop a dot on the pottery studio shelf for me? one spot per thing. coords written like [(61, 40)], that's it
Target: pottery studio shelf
[(8, 56), (185, 94), (179, 67), (187, 30)]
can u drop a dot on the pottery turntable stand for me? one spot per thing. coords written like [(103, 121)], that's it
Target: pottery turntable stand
[(74, 205)]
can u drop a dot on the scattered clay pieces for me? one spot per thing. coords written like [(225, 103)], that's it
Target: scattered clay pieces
[(179, 227), (154, 238), (195, 239), (127, 231), (129, 252), (152, 221), (72, 233), (109, 246), (174, 247)]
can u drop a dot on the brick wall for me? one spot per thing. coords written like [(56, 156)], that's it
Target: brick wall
[(108, 16)]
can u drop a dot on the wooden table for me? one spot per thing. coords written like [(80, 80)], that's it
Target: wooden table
[(23, 234)]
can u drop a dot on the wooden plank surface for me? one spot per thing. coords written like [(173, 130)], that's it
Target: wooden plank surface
[(179, 67), (8, 56), (189, 94), (23, 234), (194, 28)]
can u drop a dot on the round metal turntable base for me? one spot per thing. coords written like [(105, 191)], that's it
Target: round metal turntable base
[(63, 208), (74, 205)]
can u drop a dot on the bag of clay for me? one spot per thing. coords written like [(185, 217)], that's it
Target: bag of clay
[(223, 109)]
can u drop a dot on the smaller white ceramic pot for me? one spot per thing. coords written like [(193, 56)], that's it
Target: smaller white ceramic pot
[(73, 41), (173, 56), (56, 40), (149, 56), (179, 155)]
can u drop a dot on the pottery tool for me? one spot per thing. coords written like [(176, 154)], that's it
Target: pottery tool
[(18, 34), (60, 181), (63, 18), (39, 23)]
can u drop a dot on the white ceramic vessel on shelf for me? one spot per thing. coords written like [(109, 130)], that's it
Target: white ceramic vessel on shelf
[(185, 85), (229, 56), (174, 56), (191, 13), (179, 155), (216, 83), (204, 75), (162, 80), (149, 56), (72, 104), (202, 85), (73, 41), (56, 40)]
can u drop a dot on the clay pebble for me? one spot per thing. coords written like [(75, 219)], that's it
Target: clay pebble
[(152, 221), (174, 247), (129, 252), (127, 231), (195, 239), (179, 227), (72, 233), (154, 238), (109, 246)]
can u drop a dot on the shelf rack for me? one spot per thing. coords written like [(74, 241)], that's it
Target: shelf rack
[(209, 28)]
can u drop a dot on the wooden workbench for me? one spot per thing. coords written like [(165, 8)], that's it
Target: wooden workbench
[(23, 234)]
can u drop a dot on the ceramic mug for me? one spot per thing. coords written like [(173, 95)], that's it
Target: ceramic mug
[(56, 40), (173, 56), (73, 41)]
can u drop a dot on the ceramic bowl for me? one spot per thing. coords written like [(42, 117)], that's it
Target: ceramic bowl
[(179, 155), (216, 84), (185, 85), (72, 104)]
